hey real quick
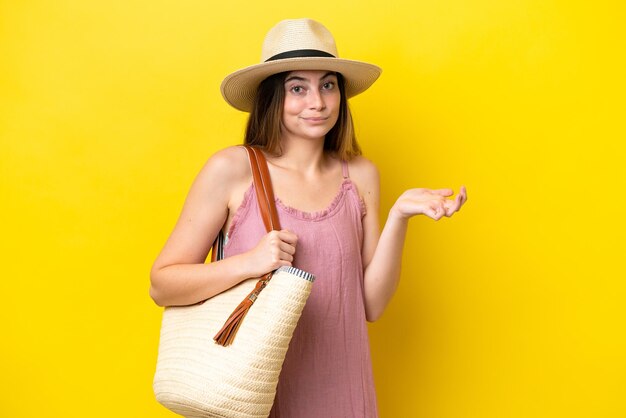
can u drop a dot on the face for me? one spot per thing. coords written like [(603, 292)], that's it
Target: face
[(311, 107)]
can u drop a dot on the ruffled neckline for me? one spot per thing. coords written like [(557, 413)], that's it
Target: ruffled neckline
[(320, 214), (346, 185), (330, 210)]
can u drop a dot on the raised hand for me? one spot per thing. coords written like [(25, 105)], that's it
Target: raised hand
[(432, 203)]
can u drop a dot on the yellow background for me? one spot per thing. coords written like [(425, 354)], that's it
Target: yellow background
[(513, 308)]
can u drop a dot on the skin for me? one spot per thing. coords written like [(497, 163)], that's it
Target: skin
[(304, 177)]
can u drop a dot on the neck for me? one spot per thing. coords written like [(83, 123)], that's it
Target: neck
[(303, 155)]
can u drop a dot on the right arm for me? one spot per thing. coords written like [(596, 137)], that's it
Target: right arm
[(179, 275)]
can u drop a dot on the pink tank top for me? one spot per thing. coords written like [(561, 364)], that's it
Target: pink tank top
[(327, 371)]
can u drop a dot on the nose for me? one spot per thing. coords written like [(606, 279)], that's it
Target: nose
[(316, 100)]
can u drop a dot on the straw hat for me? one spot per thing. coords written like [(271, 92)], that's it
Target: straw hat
[(298, 44)]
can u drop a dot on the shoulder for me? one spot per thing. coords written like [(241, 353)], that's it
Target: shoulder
[(364, 174), (227, 166), (225, 172)]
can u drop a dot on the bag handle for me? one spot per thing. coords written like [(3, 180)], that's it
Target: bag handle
[(263, 188), (267, 206), (265, 198)]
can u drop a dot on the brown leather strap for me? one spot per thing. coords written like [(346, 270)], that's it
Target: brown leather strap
[(267, 206), (263, 188), (265, 198), (268, 191)]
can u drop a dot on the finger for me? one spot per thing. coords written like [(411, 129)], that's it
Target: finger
[(287, 248), (459, 200), (286, 257), (280, 263), (442, 192), (463, 193), (288, 236), (451, 207), (454, 205), (273, 238), (462, 200), (280, 257), (436, 212)]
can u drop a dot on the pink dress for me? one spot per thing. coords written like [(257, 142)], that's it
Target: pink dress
[(327, 371)]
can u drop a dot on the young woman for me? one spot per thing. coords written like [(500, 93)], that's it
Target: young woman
[(327, 200)]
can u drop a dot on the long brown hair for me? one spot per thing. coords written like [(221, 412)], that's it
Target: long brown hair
[(264, 124)]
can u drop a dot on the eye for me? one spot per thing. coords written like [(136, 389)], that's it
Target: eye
[(297, 89), (329, 85)]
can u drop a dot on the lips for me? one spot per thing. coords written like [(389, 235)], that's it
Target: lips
[(316, 119)]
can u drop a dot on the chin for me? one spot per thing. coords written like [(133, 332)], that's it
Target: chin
[(311, 134), (317, 135)]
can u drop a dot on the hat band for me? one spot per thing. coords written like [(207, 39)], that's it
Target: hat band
[(300, 53)]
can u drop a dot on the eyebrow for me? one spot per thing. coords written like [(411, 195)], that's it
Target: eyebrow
[(294, 77)]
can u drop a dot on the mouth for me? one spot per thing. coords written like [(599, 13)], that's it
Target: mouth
[(315, 119)]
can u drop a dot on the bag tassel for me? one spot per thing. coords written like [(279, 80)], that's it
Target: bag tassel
[(226, 335)]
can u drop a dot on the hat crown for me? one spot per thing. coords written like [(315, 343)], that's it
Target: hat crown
[(297, 34)]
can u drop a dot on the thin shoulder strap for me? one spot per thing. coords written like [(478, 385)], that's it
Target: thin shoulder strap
[(344, 169)]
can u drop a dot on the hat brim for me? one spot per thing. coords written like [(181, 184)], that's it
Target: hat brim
[(239, 88)]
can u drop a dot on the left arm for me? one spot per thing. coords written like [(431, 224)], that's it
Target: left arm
[(382, 252)]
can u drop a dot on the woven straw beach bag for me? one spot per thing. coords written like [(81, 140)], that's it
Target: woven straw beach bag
[(201, 374), (196, 377)]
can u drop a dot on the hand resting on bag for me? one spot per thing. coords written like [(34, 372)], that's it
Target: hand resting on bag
[(275, 249)]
